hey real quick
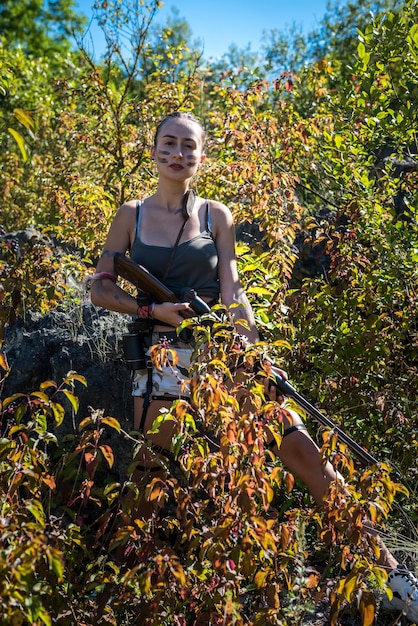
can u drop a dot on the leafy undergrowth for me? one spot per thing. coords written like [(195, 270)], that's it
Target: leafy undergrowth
[(232, 537)]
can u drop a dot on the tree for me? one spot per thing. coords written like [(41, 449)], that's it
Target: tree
[(238, 68), (338, 31), (40, 27)]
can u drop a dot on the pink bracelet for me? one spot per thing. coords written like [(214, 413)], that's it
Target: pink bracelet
[(146, 311), (143, 311)]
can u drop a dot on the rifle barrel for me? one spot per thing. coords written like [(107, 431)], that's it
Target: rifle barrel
[(141, 277), (287, 389)]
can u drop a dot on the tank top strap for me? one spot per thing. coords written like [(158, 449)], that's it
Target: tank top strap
[(138, 218), (208, 220)]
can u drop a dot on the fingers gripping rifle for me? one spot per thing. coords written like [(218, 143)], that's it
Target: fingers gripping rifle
[(143, 279)]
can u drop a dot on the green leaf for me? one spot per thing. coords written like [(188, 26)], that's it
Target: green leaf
[(413, 36), (44, 616), (35, 507), (155, 428), (56, 564)]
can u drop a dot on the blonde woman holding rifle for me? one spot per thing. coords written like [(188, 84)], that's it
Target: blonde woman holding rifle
[(189, 242)]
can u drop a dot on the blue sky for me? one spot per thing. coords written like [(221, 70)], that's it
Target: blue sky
[(219, 23)]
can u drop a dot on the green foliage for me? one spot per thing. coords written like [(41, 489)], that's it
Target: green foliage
[(298, 161), (216, 543), (359, 327), (40, 27)]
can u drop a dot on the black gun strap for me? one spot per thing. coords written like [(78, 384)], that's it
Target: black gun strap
[(173, 251), (188, 206), (147, 397)]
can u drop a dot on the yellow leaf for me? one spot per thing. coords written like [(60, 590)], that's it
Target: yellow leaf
[(84, 423), (74, 376), (348, 586), (46, 384), (3, 361), (177, 571), (367, 608), (72, 398), (154, 492), (42, 396), (20, 142), (24, 118), (59, 412), (112, 422), (260, 579), (11, 399)]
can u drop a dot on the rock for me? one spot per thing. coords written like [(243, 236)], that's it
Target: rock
[(80, 338)]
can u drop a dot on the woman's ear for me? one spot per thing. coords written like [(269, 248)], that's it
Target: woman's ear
[(203, 158), (153, 152)]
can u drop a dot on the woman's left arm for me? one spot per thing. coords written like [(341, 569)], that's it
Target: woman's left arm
[(231, 288), (232, 292)]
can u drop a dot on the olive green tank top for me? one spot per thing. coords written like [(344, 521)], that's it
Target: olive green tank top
[(193, 266)]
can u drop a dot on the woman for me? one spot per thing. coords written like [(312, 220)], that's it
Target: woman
[(194, 247)]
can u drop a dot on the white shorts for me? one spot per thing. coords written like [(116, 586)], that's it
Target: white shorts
[(172, 380)]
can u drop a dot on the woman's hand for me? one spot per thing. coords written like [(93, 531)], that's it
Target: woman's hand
[(270, 390), (169, 312)]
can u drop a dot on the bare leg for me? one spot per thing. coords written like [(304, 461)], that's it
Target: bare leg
[(148, 465), (301, 456)]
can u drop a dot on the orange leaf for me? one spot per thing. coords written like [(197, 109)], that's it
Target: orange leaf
[(367, 608), (3, 361), (108, 454), (289, 481)]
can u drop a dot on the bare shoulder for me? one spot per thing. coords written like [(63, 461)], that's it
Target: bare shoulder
[(127, 210), (220, 214)]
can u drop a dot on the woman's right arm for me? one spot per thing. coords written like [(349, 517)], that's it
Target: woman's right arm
[(104, 291)]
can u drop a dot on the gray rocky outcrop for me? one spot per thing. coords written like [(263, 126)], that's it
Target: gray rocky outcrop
[(80, 338)]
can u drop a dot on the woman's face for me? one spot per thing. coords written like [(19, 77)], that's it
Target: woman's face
[(178, 149)]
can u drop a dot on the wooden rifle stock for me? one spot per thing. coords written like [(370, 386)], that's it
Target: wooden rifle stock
[(143, 279)]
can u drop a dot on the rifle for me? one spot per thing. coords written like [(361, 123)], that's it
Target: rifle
[(143, 279)]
